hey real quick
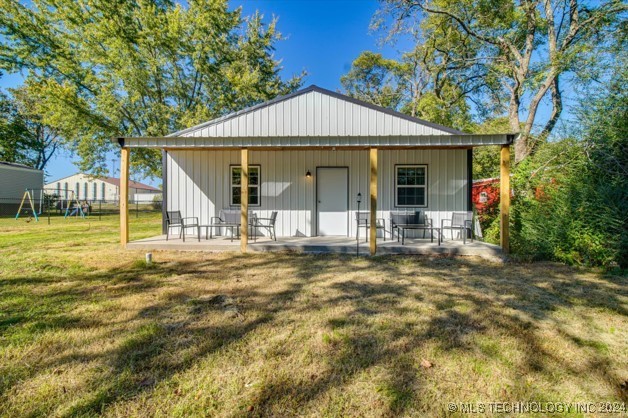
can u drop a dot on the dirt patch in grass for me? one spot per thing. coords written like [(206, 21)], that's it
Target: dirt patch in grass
[(96, 331)]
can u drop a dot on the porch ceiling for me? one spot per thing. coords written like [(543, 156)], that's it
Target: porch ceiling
[(305, 142)]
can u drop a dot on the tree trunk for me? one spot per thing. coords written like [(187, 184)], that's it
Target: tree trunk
[(515, 127), (557, 109)]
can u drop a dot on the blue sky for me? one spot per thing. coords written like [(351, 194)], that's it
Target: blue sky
[(323, 38)]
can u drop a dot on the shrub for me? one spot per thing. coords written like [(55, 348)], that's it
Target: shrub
[(571, 196)]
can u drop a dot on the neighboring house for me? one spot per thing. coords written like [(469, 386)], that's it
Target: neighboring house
[(14, 180), (309, 154), (88, 187), (486, 195)]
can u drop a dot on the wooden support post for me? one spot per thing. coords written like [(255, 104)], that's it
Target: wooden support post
[(244, 200), (124, 196), (504, 198), (373, 193)]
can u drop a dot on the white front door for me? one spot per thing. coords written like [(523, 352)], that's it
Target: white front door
[(332, 196)]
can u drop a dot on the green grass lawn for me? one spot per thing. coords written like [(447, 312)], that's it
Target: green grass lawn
[(87, 328)]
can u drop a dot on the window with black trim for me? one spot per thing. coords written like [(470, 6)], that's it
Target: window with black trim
[(254, 185), (411, 185)]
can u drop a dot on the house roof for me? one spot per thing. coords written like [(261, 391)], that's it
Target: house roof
[(316, 117), (352, 116), (17, 165), (114, 181), (132, 184)]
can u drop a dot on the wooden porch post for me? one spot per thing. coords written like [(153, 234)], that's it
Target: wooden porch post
[(373, 189), (244, 200), (124, 196), (504, 198)]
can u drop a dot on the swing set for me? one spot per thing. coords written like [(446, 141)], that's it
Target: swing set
[(71, 202)]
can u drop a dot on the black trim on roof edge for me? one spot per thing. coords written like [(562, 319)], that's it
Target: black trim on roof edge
[(322, 91)]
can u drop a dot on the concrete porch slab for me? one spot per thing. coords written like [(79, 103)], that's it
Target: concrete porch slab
[(342, 245)]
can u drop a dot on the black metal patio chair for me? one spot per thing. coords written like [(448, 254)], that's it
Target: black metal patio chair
[(461, 221), (231, 218), (228, 218), (175, 220), (403, 218), (266, 223), (363, 220)]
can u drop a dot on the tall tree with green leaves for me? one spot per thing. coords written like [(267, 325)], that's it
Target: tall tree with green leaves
[(44, 140), (111, 68), (375, 79), (519, 49), (406, 85), (15, 140), (24, 138)]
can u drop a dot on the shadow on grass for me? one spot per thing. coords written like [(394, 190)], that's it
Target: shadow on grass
[(171, 334)]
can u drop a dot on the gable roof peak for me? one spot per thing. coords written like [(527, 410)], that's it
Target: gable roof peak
[(314, 88)]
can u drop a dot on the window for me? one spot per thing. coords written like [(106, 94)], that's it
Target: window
[(77, 190), (59, 189), (102, 191), (94, 191), (65, 189), (254, 182), (85, 194), (411, 185)]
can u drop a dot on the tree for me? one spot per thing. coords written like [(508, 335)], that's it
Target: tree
[(111, 68), (519, 50), (406, 86), (571, 195), (14, 137), (23, 137), (605, 142), (44, 139), (375, 79)]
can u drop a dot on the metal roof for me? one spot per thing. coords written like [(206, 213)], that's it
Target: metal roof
[(304, 108), (17, 165), (115, 181), (316, 117)]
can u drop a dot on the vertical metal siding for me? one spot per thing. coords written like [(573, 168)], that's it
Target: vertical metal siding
[(314, 114), (198, 183), (14, 181)]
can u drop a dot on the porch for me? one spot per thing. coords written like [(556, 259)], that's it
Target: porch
[(310, 159), (343, 245)]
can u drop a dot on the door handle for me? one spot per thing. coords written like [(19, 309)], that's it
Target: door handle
[(319, 201)]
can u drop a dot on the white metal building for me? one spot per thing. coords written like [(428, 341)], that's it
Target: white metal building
[(309, 155), (91, 188)]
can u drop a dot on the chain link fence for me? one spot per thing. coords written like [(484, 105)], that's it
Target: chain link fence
[(51, 206)]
